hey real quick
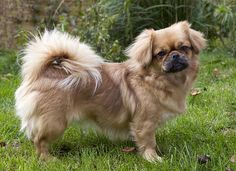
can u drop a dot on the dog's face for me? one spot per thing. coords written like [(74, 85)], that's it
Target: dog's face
[(169, 50), (172, 49)]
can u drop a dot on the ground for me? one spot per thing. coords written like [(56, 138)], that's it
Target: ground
[(207, 128)]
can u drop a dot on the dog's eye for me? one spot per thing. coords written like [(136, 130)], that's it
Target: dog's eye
[(161, 53), (185, 48)]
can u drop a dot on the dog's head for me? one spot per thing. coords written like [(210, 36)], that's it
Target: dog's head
[(170, 49)]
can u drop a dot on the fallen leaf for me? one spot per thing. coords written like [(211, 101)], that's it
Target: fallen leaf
[(204, 159), (3, 144), (216, 72), (195, 92), (233, 158), (129, 149)]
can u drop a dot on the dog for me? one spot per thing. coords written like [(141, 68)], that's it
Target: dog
[(64, 80)]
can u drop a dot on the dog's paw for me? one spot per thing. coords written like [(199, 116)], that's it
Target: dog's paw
[(151, 156)]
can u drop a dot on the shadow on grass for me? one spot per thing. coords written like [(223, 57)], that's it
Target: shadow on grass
[(87, 143)]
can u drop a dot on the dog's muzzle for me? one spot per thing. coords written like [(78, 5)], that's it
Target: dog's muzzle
[(175, 63)]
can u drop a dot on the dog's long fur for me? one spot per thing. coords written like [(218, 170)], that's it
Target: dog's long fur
[(64, 80)]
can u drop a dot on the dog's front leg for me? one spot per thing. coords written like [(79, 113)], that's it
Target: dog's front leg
[(144, 136)]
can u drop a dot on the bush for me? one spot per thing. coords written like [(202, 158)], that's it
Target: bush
[(136, 15), (94, 27), (217, 20)]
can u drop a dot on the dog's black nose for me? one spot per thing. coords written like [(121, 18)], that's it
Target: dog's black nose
[(175, 56)]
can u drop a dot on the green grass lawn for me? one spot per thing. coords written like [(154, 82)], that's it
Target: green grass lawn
[(207, 128)]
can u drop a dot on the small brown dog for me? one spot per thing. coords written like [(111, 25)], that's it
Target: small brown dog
[(64, 80)]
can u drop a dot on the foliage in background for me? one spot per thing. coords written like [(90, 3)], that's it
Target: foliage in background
[(217, 20), (94, 27), (136, 15), (110, 26), (86, 19)]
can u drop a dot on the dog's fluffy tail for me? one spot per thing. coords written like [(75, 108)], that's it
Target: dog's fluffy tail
[(59, 53)]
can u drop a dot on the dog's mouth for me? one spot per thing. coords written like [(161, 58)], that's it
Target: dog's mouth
[(175, 63)]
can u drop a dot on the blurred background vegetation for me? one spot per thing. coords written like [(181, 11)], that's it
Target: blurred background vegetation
[(110, 25)]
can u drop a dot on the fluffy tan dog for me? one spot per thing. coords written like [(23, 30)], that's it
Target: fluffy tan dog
[(65, 81)]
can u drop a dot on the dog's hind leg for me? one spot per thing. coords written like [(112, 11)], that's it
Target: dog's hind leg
[(50, 127)]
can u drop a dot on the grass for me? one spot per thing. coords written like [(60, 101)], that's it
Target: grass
[(208, 127)]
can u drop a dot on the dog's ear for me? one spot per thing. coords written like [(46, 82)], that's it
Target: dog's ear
[(141, 49), (197, 40)]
